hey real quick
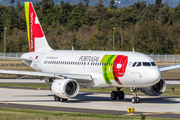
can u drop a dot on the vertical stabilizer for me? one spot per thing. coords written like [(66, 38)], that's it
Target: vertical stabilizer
[(36, 38)]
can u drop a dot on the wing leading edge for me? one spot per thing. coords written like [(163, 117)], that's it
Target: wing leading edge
[(170, 67), (77, 77)]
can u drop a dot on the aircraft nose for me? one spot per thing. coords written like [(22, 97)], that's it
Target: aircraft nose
[(154, 76)]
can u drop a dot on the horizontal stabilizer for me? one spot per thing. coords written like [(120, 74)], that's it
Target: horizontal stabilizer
[(12, 58)]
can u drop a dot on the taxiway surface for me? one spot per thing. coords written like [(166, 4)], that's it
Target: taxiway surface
[(87, 102)]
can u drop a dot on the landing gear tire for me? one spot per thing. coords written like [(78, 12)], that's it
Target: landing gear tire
[(56, 98), (113, 95), (120, 95), (137, 100), (64, 99), (133, 100)]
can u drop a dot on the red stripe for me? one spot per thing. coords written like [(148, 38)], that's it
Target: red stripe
[(119, 72)]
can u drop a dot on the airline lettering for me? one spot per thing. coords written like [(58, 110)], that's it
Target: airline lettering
[(115, 67), (32, 41), (89, 58), (51, 57)]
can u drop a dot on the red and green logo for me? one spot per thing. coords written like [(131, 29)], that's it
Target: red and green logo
[(33, 27), (114, 66)]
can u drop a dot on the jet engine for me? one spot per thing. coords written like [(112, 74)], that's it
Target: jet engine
[(156, 89), (65, 88)]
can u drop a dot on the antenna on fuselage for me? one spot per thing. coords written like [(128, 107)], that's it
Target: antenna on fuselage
[(72, 48)]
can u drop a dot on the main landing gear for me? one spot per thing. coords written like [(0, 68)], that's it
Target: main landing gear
[(56, 98), (119, 94), (135, 99)]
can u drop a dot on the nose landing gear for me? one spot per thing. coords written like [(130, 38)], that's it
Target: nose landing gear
[(135, 99), (119, 94)]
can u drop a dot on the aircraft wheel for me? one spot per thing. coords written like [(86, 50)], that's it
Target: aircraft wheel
[(137, 100), (133, 100), (64, 99), (56, 98), (120, 95), (113, 95)]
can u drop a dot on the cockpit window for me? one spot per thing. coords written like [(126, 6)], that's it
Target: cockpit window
[(146, 64), (139, 64), (153, 64), (134, 64)]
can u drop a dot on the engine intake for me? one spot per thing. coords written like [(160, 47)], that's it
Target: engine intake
[(65, 88), (156, 89)]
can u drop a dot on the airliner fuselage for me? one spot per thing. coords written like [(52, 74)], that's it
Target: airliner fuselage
[(116, 69)]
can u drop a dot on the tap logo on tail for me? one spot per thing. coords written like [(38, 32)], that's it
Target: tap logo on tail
[(114, 67), (34, 29)]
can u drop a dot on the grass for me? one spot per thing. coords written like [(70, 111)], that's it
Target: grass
[(25, 114), (42, 86)]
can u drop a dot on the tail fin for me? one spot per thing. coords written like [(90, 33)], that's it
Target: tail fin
[(36, 38)]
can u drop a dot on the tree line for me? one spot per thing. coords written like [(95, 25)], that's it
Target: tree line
[(151, 29)]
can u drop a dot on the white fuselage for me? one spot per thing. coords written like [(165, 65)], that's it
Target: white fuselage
[(91, 62)]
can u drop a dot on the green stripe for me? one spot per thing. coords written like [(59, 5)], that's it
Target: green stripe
[(105, 69)]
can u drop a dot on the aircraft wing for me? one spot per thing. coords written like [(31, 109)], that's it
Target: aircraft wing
[(77, 77), (170, 67)]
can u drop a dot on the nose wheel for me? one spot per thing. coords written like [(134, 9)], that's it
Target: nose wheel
[(117, 94), (135, 99)]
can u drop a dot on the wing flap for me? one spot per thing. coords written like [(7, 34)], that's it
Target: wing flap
[(170, 67)]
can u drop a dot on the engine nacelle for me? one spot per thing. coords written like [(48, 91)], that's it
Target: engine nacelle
[(65, 88), (156, 89)]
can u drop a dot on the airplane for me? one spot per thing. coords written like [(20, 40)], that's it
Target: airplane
[(68, 70)]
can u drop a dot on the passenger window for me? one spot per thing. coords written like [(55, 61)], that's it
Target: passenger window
[(146, 64), (134, 64), (153, 64), (139, 64)]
